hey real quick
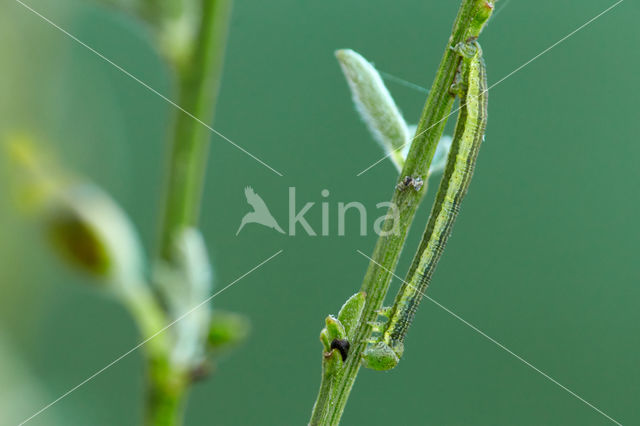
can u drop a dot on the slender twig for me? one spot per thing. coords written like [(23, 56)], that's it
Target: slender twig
[(199, 80), (199, 72), (469, 22)]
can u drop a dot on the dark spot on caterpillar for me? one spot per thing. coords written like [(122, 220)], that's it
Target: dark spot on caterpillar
[(342, 345)]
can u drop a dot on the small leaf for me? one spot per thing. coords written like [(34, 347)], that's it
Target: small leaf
[(227, 330), (184, 282), (351, 312), (324, 339), (375, 104), (335, 329), (78, 242), (95, 233), (86, 225), (187, 278)]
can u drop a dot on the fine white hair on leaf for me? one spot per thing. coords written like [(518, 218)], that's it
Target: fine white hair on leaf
[(439, 158), (375, 104)]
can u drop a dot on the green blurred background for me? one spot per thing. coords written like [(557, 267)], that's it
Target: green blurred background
[(543, 257)]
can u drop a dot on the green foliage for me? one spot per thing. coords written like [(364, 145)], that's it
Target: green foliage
[(375, 104), (96, 236), (334, 391), (227, 330), (351, 312), (385, 352), (380, 356), (78, 242)]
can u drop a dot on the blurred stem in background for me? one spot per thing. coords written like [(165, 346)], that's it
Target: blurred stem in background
[(193, 37), (92, 232), (339, 373), (199, 70)]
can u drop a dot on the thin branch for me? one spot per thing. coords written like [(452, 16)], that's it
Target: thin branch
[(471, 18)]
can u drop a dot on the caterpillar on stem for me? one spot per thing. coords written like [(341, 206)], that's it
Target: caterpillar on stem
[(385, 351)]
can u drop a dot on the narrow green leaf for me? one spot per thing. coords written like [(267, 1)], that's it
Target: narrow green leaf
[(375, 104)]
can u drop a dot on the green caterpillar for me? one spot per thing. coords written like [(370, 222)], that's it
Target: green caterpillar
[(385, 351)]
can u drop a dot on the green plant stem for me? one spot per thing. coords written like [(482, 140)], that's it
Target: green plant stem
[(199, 75), (319, 412), (167, 393), (199, 71), (469, 22), (166, 384), (150, 318)]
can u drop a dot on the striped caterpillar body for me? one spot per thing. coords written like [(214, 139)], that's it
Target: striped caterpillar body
[(385, 351)]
